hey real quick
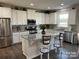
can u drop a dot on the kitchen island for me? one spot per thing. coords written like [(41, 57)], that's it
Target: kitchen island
[(31, 44)]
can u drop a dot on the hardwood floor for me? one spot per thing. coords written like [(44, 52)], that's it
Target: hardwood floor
[(15, 52), (68, 51), (12, 52)]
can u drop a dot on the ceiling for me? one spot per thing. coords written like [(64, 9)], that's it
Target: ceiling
[(41, 4)]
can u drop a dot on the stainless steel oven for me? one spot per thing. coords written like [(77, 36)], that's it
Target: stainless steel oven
[(31, 26)]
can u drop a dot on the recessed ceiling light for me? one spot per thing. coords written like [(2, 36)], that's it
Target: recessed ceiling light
[(48, 7), (62, 4), (31, 4)]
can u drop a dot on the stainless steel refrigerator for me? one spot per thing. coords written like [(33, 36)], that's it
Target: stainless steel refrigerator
[(5, 32)]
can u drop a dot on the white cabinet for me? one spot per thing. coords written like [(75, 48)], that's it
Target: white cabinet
[(47, 19), (19, 17), (43, 18), (72, 17), (14, 20), (53, 18), (23, 33), (24, 18), (40, 18), (31, 14), (5, 12), (16, 37), (30, 48)]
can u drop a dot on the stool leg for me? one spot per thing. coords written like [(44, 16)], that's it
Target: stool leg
[(48, 55), (56, 50), (41, 55)]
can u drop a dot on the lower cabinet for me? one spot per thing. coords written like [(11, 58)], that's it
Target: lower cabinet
[(23, 33), (30, 48), (16, 38)]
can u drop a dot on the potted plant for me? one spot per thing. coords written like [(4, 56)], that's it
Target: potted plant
[(43, 27)]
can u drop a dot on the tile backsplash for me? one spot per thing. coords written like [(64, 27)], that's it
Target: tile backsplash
[(19, 28)]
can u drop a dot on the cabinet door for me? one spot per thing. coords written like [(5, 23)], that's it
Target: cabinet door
[(5, 12), (19, 17), (47, 19), (38, 18), (72, 17), (16, 38), (22, 18), (23, 33), (31, 14), (43, 18), (14, 20), (53, 18)]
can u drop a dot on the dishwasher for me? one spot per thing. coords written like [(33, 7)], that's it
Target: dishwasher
[(70, 37)]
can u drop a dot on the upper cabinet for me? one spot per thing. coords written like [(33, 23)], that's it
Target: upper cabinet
[(24, 14), (5, 12), (14, 20), (31, 14), (39, 17), (72, 17), (43, 18), (47, 19), (19, 17), (53, 18)]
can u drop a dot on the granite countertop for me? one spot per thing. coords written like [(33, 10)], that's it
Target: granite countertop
[(32, 36), (36, 39), (37, 36)]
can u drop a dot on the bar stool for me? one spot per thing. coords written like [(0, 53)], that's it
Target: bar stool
[(45, 47), (61, 36), (58, 41)]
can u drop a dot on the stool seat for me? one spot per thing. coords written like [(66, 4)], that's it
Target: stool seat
[(44, 50)]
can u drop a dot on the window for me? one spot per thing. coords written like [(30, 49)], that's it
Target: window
[(63, 20)]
